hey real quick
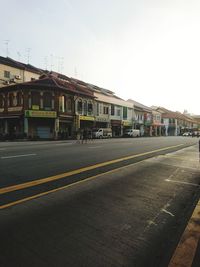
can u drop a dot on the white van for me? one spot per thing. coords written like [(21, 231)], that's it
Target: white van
[(102, 133), (132, 133)]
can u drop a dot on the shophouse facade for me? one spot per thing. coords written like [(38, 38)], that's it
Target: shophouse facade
[(111, 111), (158, 127), (142, 118), (43, 108), (14, 72), (176, 123)]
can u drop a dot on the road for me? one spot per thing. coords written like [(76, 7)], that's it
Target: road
[(118, 202)]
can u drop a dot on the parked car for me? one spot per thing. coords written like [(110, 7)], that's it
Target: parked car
[(132, 133), (102, 133), (187, 134)]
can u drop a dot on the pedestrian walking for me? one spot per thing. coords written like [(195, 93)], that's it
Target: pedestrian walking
[(78, 136), (85, 136)]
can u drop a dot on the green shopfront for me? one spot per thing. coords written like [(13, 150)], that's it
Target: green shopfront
[(40, 124)]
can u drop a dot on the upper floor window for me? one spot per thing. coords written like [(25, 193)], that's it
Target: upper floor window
[(1, 101), (62, 103), (19, 99), (118, 112), (85, 108), (90, 108), (35, 98), (112, 110), (47, 100), (98, 109), (105, 110), (125, 113), (80, 106), (10, 99), (6, 74), (69, 104), (157, 117)]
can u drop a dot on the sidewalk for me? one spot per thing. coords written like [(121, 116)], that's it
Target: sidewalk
[(187, 253)]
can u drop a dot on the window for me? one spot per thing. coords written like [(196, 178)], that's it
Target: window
[(80, 106), (62, 103), (112, 110), (1, 101), (47, 100), (90, 108), (98, 109), (125, 113), (35, 97), (157, 117), (105, 110), (6, 74), (85, 108), (118, 112), (69, 104), (19, 98), (10, 98)]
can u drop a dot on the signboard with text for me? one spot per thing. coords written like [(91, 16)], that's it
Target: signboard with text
[(86, 118), (40, 114)]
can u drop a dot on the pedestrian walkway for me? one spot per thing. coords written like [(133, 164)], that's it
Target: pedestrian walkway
[(187, 253)]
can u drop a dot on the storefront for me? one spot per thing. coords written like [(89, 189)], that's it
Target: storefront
[(117, 128), (65, 127), (40, 124), (11, 127), (127, 125), (101, 122), (85, 122)]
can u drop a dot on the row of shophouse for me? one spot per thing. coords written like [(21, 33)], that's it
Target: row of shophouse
[(39, 104)]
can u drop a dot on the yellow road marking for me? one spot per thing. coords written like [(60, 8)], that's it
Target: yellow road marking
[(65, 186), (186, 249), (70, 173)]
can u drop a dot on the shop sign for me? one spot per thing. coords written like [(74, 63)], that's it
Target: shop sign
[(40, 114), (86, 118), (15, 109), (127, 123), (35, 107), (116, 123), (101, 119), (147, 123)]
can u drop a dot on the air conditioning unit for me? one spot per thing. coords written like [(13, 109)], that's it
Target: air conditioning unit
[(12, 80), (6, 82), (17, 77)]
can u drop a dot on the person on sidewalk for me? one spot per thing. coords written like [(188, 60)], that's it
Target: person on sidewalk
[(85, 135)]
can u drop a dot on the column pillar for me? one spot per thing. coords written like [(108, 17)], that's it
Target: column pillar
[(150, 131), (56, 128), (156, 131), (6, 126), (160, 131), (166, 130), (26, 126)]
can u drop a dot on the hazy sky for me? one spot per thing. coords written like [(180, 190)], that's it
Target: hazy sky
[(145, 50)]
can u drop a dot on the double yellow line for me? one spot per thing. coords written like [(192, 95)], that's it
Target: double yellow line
[(13, 188)]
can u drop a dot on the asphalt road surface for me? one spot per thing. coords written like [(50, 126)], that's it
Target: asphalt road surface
[(118, 202)]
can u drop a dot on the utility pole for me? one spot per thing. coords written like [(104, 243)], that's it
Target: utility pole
[(28, 55), (6, 42), (19, 55)]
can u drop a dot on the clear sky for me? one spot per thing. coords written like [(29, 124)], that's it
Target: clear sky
[(147, 50)]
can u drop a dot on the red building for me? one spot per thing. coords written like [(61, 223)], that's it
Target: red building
[(43, 108)]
